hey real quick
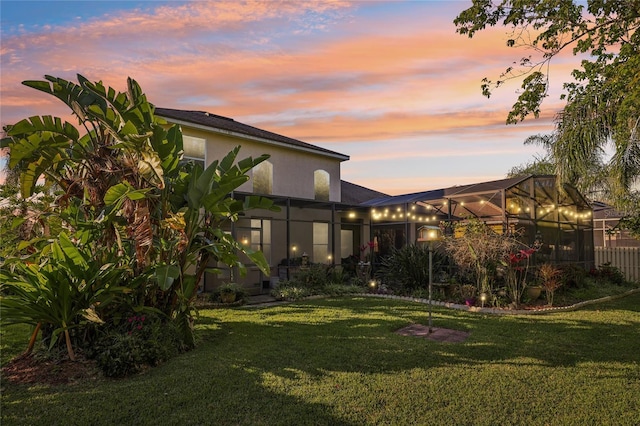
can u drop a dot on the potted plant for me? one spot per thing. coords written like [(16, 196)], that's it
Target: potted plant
[(229, 292), (534, 291)]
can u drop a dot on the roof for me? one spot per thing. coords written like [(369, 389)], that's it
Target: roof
[(230, 126), (356, 194), (603, 210), (451, 192)]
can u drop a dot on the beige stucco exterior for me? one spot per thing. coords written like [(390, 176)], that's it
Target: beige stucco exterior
[(293, 168), (291, 231)]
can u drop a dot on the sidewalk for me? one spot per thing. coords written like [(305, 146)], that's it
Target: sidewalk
[(263, 300)]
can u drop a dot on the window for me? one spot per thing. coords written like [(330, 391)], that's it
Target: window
[(261, 237), (321, 182), (256, 235), (263, 178), (320, 242), (194, 149)]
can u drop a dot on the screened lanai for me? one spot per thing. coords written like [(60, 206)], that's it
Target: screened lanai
[(559, 221)]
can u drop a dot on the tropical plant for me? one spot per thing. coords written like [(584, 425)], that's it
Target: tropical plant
[(72, 286), (407, 268), (123, 188), (550, 278), (516, 270), (25, 224)]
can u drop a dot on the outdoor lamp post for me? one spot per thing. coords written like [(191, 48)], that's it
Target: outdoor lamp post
[(432, 233)]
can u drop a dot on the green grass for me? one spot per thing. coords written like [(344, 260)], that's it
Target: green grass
[(336, 361)]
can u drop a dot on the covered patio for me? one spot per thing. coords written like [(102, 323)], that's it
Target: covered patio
[(534, 207)]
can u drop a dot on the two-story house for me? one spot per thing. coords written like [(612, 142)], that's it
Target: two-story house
[(327, 220), (319, 218)]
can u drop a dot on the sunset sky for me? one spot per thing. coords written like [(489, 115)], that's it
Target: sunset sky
[(391, 84)]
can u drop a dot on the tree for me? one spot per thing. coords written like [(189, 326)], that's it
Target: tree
[(602, 107), (124, 195)]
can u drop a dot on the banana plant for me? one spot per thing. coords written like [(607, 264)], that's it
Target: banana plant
[(124, 189), (198, 206), (123, 141)]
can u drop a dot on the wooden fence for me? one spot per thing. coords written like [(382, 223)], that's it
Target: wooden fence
[(627, 259)]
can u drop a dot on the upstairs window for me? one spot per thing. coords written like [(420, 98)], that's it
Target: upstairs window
[(194, 149), (321, 181), (263, 178)]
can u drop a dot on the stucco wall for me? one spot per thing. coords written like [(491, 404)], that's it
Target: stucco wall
[(293, 169)]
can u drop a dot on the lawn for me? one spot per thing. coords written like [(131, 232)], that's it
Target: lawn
[(337, 361)]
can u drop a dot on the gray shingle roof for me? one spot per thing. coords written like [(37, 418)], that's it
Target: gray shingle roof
[(452, 191), (356, 194), (225, 124)]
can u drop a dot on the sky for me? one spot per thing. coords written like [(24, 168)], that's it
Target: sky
[(390, 84)]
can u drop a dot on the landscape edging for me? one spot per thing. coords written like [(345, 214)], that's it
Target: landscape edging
[(506, 311)]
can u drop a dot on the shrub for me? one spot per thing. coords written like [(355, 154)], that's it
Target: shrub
[(288, 290), (141, 340), (608, 273), (407, 269), (342, 289), (551, 280), (338, 275), (313, 278), (573, 276)]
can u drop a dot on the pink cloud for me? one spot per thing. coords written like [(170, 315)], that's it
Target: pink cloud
[(316, 71)]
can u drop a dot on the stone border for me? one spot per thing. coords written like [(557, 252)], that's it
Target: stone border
[(496, 311)]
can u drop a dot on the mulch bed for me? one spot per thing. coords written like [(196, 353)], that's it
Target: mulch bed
[(27, 369)]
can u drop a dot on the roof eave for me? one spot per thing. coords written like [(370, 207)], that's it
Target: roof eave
[(238, 135)]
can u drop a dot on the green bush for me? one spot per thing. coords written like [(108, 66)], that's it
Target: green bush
[(342, 289), (288, 290), (572, 275), (313, 278), (338, 275), (141, 340), (407, 269), (608, 273)]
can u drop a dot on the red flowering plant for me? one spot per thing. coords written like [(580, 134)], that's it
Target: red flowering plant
[(516, 269), (366, 257), (135, 323)]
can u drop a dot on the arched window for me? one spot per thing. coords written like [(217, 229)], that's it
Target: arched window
[(321, 182), (263, 178)]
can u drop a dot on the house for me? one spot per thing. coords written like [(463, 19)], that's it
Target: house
[(327, 220), (605, 228), (317, 216)]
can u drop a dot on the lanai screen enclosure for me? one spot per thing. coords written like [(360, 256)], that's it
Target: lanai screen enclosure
[(559, 221)]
